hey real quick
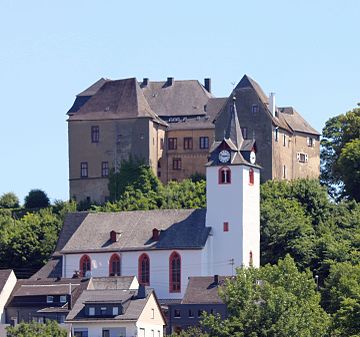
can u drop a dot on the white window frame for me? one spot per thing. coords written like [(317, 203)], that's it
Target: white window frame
[(49, 299), (91, 311), (115, 311)]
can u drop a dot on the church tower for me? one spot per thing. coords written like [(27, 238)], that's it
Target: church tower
[(233, 201)]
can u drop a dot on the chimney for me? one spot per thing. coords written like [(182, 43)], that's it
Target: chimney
[(145, 81), (141, 293), (155, 234), (207, 84), (216, 279), (272, 103), (114, 236), (170, 81)]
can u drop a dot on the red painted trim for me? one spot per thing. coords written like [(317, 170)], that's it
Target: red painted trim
[(221, 169), (112, 258), (173, 256), (82, 260), (141, 258), (251, 177)]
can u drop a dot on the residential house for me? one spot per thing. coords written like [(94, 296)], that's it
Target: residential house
[(117, 313), (202, 295), (7, 284)]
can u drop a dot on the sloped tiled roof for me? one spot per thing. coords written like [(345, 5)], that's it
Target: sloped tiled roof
[(111, 283), (296, 121), (181, 229), (4, 276), (121, 99), (203, 290), (132, 311), (181, 98)]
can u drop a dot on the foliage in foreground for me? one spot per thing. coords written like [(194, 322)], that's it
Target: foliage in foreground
[(33, 329), (275, 300)]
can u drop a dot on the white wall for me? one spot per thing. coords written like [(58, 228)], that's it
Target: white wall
[(5, 294), (192, 264), (95, 328), (238, 204)]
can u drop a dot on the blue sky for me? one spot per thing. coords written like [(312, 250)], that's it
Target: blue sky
[(307, 52)]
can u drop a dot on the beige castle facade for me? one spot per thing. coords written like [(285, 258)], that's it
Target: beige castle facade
[(172, 125)]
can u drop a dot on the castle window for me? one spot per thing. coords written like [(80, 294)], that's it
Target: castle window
[(204, 142), (85, 265), (284, 140), (105, 169), (302, 157), (284, 172), (188, 143), (161, 143), (255, 108), (175, 272), (172, 143), (84, 169), (95, 134), (251, 177), (276, 134), (224, 175), (115, 265), (310, 142), (177, 164), (144, 269), (226, 226)]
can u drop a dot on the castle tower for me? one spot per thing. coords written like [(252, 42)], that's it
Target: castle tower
[(233, 200)]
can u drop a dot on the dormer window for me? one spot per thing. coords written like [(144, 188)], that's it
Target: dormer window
[(224, 175), (155, 234), (49, 299), (115, 311), (91, 311), (114, 236)]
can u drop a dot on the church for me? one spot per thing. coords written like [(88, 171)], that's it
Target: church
[(163, 248)]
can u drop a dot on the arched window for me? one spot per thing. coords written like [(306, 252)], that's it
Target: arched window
[(144, 270), (175, 272), (251, 177), (115, 265), (85, 265), (224, 175)]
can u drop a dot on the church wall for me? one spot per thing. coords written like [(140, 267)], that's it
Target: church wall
[(191, 265), (225, 204), (251, 218)]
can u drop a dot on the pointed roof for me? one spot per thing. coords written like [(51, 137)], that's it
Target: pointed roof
[(233, 130)]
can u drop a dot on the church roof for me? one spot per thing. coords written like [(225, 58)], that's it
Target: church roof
[(179, 229), (233, 131)]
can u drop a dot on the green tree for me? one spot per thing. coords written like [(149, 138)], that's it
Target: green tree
[(274, 300), (36, 199), (9, 200), (33, 329), (190, 332), (336, 154)]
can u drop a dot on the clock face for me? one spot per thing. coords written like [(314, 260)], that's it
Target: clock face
[(224, 156), (252, 157)]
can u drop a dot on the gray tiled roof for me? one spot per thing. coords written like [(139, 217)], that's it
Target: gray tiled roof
[(4, 275), (132, 310), (203, 290), (180, 229), (111, 283), (52, 269), (296, 121), (189, 123), (121, 99), (182, 98)]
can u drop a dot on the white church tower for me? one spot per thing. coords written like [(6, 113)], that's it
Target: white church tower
[(233, 201)]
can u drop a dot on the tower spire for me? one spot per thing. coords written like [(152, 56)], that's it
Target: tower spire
[(233, 131)]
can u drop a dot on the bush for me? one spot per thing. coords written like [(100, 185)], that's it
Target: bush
[(36, 199), (9, 200)]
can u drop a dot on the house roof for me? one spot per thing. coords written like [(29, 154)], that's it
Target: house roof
[(52, 269), (111, 283), (181, 98), (132, 310), (4, 276), (203, 290), (179, 229), (121, 99)]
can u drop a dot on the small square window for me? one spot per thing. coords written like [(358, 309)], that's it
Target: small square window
[(115, 311), (49, 299), (188, 143), (177, 313), (62, 319), (95, 134), (204, 142), (255, 108), (83, 169), (172, 143), (105, 169), (91, 311), (310, 142), (191, 313), (63, 299), (177, 164), (103, 311)]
